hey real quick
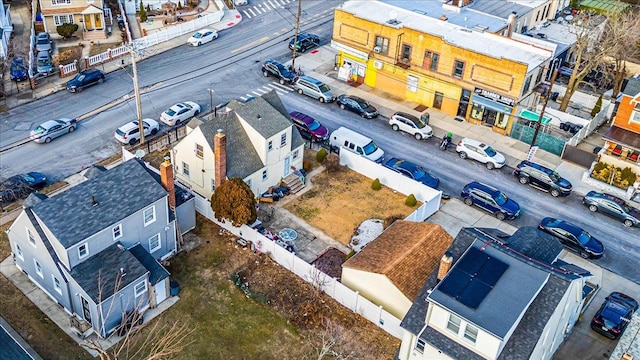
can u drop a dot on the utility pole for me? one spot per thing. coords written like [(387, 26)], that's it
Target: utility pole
[(295, 37), (136, 90), (544, 107)]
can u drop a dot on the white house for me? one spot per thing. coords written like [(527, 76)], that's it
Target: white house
[(254, 141)]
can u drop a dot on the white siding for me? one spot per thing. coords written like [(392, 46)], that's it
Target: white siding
[(378, 289)]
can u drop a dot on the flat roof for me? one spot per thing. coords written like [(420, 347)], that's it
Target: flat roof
[(485, 43)]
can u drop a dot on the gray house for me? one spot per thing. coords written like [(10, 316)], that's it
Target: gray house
[(496, 296), (95, 248)]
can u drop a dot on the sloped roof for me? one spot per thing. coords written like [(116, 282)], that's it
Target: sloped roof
[(407, 252), (157, 272), (119, 192), (632, 88), (261, 115)]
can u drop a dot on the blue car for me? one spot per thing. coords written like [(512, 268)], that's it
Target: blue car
[(412, 171), (573, 237), (18, 72), (491, 200), (614, 315)]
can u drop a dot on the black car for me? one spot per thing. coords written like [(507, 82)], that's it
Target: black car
[(85, 79), (357, 105), (612, 206), (573, 237), (277, 70), (490, 199), (614, 315), (20, 186), (305, 42), (542, 178)]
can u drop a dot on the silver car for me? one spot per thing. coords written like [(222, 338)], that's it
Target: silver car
[(43, 42), (52, 129)]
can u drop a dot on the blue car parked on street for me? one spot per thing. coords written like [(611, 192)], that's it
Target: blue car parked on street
[(18, 72), (491, 200)]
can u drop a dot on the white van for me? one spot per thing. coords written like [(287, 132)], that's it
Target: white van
[(357, 143)]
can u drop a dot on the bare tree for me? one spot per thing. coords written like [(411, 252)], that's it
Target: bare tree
[(335, 342), (621, 33)]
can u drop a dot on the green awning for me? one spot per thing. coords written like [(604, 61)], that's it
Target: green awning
[(531, 116), (605, 7)]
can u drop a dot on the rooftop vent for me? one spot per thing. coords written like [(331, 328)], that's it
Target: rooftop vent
[(93, 201), (393, 22)]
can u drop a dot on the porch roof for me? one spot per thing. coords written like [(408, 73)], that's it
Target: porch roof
[(91, 9), (623, 137), (64, 10)]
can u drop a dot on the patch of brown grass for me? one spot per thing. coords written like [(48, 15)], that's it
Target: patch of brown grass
[(340, 200)]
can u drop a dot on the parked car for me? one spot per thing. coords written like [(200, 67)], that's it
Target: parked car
[(129, 133), (202, 37), (357, 105), (412, 171), (52, 129), (306, 85), (279, 71), (43, 42), (491, 200), (20, 186), (18, 71), (614, 315), (309, 127), (241, 2), (44, 64), (179, 113), (573, 237), (476, 150), (84, 79), (612, 206), (542, 178), (305, 42), (411, 125)]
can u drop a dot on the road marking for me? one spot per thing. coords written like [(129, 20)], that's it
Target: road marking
[(246, 14), (250, 45), (266, 5), (274, 6), (260, 92), (277, 85), (252, 13)]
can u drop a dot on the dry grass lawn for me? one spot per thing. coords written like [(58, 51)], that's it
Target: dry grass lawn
[(340, 200)]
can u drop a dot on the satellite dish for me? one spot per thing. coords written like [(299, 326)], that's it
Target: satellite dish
[(140, 154), (393, 14)]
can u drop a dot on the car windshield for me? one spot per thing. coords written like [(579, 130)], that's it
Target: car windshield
[(43, 61), (16, 67), (43, 41), (325, 88), (170, 112), (500, 198), (489, 151), (418, 173), (39, 130), (314, 125), (419, 123), (197, 35), (363, 103), (584, 238), (79, 77), (370, 148)]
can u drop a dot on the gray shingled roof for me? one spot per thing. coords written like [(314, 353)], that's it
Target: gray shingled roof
[(633, 87), (534, 243), (119, 192), (33, 199), (272, 98), (499, 8), (98, 275), (242, 158), (157, 272), (262, 116)]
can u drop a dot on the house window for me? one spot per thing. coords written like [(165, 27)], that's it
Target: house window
[(60, 2), (420, 345), (406, 53), (19, 253), (635, 114), (154, 243), (527, 84), (117, 232), (264, 175), (270, 146), (149, 215), (283, 139), (199, 151), (454, 324), (248, 182), (140, 288), (383, 44), (38, 268), (213, 184), (430, 61), (296, 154), (62, 19), (56, 285), (471, 333), (83, 251), (458, 69), (185, 169), (32, 239)]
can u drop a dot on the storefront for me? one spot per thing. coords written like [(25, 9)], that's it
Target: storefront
[(491, 109), (350, 63)]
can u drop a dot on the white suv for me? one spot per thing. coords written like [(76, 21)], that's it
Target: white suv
[(410, 124), (476, 150), (130, 133)]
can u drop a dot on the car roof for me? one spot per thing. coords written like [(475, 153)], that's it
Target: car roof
[(306, 35), (353, 97), (406, 115), (302, 117), (178, 106), (49, 123), (574, 229), (134, 124), (202, 31), (535, 165), (474, 142), (311, 80), (606, 196), (482, 186)]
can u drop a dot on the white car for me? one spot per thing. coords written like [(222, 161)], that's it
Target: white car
[(130, 133), (476, 150), (180, 112), (411, 125), (202, 37)]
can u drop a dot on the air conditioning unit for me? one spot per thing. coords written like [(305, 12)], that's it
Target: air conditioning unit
[(376, 49), (377, 64)]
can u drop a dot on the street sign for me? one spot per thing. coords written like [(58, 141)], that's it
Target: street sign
[(532, 153)]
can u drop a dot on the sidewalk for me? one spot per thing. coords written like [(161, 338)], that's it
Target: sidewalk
[(319, 64)]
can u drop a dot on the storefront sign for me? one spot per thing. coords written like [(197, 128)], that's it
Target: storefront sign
[(494, 96), (349, 50)]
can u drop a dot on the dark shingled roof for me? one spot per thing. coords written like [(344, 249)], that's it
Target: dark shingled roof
[(262, 116), (157, 272), (632, 88), (119, 192), (535, 244), (94, 171), (45, 240), (12, 346), (33, 199), (102, 270)]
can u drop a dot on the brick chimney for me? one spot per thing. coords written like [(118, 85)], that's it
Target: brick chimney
[(166, 179), (220, 157), (445, 265)]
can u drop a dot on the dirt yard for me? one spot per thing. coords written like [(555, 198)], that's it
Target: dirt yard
[(340, 200)]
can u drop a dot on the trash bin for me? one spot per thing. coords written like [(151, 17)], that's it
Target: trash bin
[(425, 117), (175, 288)]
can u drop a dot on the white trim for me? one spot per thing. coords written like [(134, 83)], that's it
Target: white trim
[(56, 284), (32, 239), (153, 215), (113, 232), (152, 249), (135, 288), (38, 268), (19, 253), (86, 246)]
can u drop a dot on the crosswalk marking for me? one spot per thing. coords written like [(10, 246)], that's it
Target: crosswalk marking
[(265, 7), (277, 86), (280, 89)]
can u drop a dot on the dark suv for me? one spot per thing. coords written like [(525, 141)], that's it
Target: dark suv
[(85, 79), (309, 127), (277, 70), (542, 178), (490, 199), (305, 42)]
